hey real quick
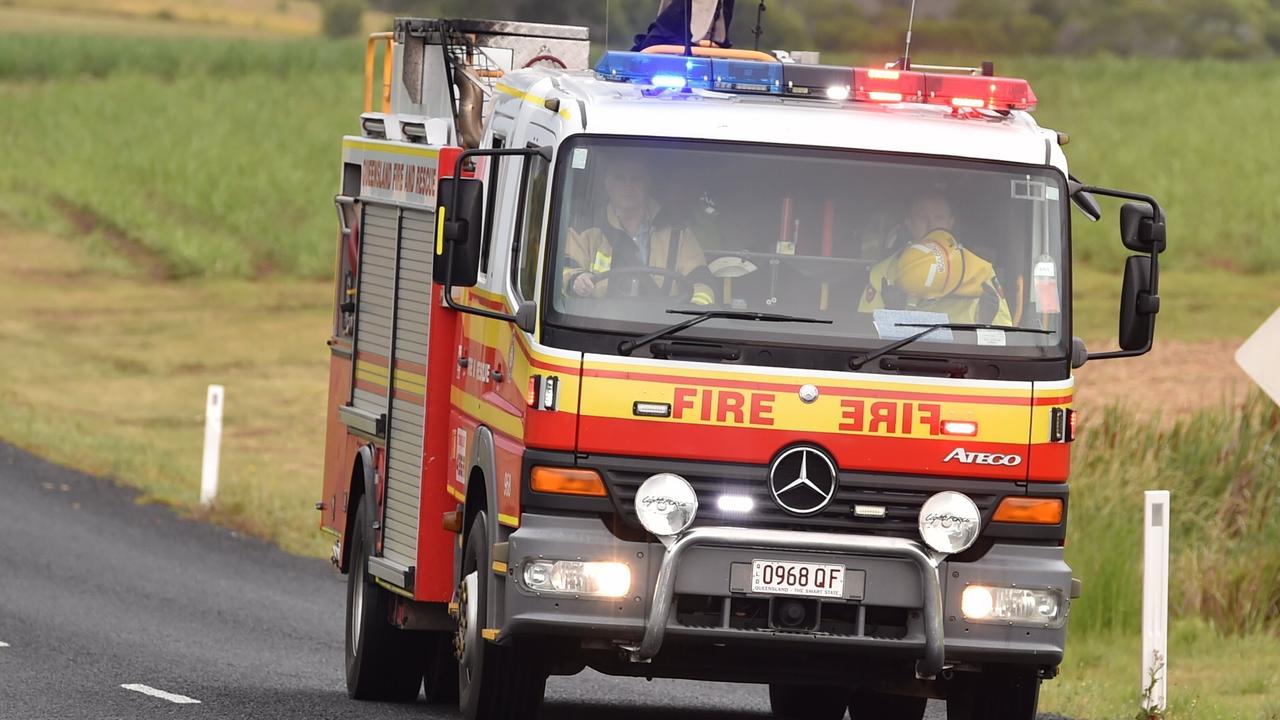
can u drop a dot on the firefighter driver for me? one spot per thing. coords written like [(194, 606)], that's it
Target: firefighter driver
[(934, 272), (631, 249)]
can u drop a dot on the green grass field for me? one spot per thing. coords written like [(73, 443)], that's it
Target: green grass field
[(172, 199), (220, 156)]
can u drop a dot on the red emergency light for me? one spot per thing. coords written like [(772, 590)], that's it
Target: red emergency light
[(957, 91)]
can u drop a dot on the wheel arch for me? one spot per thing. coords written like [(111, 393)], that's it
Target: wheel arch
[(361, 485), (481, 470)]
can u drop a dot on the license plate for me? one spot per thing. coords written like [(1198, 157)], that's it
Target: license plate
[(780, 577)]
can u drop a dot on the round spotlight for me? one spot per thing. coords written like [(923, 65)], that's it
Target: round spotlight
[(949, 522), (666, 504)]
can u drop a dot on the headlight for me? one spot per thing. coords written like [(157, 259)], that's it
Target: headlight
[(602, 579), (666, 504), (949, 522), (1013, 606)]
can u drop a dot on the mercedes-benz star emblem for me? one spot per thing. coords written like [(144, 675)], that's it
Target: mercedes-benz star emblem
[(803, 480)]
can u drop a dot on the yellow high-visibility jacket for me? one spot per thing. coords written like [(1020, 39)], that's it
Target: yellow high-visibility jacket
[(593, 250), (978, 298)]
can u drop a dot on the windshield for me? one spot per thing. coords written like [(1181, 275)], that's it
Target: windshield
[(879, 245)]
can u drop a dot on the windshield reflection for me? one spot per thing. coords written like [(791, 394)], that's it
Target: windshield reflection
[(872, 243)]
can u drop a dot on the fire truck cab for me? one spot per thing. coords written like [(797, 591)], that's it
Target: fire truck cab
[(705, 366)]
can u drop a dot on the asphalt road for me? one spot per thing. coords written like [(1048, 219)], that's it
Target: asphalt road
[(98, 592)]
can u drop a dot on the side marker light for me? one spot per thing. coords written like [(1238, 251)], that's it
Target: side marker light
[(567, 481), (1029, 511)]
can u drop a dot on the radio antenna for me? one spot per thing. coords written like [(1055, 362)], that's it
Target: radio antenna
[(606, 23), (688, 29), (758, 30), (906, 54)]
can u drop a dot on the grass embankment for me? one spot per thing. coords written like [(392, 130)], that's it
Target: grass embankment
[(108, 374), (174, 18), (215, 159)]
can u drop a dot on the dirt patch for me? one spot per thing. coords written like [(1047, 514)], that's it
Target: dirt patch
[(139, 255), (1176, 378)]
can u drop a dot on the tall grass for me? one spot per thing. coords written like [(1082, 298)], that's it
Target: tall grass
[(1195, 134), (221, 155), (36, 57), (1222, 467)]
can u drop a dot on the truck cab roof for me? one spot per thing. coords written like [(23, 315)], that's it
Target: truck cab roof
[(599, 106)]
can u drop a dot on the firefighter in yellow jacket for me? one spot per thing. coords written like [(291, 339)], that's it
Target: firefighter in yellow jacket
[(631, 249), (934, 272)]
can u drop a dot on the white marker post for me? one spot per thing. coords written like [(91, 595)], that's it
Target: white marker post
[(1155, 599), (212, 446)]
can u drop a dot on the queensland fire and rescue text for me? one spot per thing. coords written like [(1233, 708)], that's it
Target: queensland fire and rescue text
[(706, 366)]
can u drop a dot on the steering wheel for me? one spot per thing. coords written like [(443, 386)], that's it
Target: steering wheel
[(686, 286)]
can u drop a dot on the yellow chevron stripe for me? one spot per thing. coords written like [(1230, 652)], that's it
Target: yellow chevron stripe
[(528, 97)]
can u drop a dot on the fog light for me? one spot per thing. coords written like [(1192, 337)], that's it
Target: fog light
[(735, 503), (1014, 606), (666, 504), (601, 579), (949, 522)]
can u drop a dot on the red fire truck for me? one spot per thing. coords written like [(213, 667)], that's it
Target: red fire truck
[(701, 364)]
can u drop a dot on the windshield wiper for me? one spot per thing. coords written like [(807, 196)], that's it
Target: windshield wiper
[(857, 363), (626, 347)]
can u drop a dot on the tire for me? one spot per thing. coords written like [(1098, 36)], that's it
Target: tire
[(868, 705), (440, 673), (1009, 695), (495, 682), (382, 662), (807, 702)]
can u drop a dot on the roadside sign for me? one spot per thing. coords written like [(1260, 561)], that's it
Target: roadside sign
[(1259, 356)]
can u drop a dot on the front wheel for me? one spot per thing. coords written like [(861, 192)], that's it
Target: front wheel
[(869, 705), (807, 702), (495, 682), (382, 662), (995, 695)]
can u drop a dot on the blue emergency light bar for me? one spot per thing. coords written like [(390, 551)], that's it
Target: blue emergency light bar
[(830, 82), (673, 72), (679, 72)]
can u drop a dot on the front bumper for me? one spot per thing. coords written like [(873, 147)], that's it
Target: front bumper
[(899, 574)]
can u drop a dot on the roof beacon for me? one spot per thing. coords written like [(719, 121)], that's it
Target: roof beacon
[(958, 91)]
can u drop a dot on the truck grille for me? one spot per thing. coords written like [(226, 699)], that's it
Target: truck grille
[(901, 503)]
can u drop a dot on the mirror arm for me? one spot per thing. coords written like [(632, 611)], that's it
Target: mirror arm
[(453, 202), (1124, 195), (1149, 302)]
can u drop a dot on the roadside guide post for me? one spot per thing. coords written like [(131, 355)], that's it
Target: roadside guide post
[(212, 446), (1259, 356), (1155, 599)]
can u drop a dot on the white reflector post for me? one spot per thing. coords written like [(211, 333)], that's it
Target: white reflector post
[(1155, 599), (212, 446)]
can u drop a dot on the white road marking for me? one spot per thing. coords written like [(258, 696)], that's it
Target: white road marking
[(171, 697), (4, 644)]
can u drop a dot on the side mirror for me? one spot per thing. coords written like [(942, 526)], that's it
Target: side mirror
[(1140, 231), (1138, 307), (527, 316), (461, 226)]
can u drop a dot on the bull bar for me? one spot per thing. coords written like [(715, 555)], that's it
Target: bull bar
[(753, 538)]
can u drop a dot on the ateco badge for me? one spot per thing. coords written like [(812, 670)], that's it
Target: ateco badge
[(802, 480)]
